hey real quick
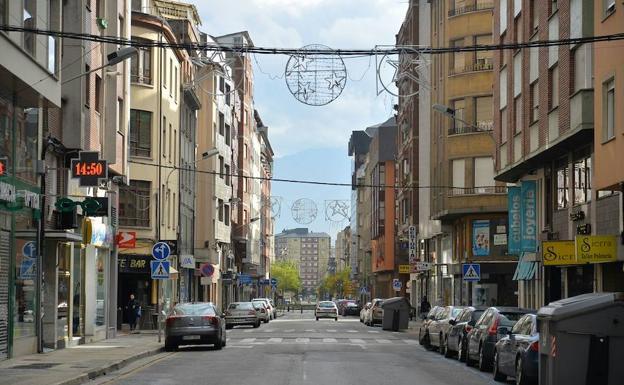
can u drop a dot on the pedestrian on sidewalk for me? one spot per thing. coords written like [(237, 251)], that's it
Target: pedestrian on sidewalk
[(425, 306), (133, 310)]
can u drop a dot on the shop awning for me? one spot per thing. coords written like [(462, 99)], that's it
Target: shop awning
[(525, 271)]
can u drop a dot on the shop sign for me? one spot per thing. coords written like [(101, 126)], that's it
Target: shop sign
[(187, 261), (596, 248), (31, 199), (404, 269), (7, 192), (514, 206), (423, 266), (133, 264), (556, 253), (528, 191), (126, 239), (500, 239), (481, 238)]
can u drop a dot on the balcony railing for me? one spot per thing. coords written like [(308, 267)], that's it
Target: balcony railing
[(461, 128), (481, 64), (474, 7), (488, 190)]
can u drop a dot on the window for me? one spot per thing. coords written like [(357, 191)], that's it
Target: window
[(141, 66), (483, 59), (99, 9), (87, 87), (553, 93), (134, 204), (227, 94), (483, 113), (4, 12), (221, 124), (221, 166), (227, 174), (534, 102), (164, 136), (483, 172), (140, 133), (221, 210), (227, 134), (98, 93), (608, 7), (534, 15), (459, 108), (608, 117), (458, 167), (29, 21), (518, 114), (582, 180), (458, 60), (221, 84), (562, 185), (245, 151), (553, 6), (170, 153), (175, 89), (503, 125)]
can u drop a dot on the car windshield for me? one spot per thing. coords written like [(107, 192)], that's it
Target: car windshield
[(194, 309), (258, 304), (456, 312), (241, 306), (512, 316), (326, 304)]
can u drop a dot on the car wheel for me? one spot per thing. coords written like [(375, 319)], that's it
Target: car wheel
[(218, 345), (257, 324), (521, 379), (229, 326), (336, 319), (483, 366), (427, 341), (266, 321), (461, 350), (498, 376), (440, 345), (469, 360), (447, 352), (170, 347)]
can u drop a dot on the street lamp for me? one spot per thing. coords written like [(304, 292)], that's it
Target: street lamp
[(448, 111), (113, 58)]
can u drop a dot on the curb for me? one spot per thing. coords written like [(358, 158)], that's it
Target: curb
[(102, 371)]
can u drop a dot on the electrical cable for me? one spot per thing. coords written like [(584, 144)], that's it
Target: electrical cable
[(396, 50)]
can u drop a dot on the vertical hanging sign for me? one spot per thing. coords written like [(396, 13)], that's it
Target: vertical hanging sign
[(528, 191), (413, 259), (514, 207)]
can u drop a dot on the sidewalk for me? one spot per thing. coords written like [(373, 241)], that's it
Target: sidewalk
[(413, 326), (77, 365)]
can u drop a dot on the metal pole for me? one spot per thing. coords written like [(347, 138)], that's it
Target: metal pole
[(160, 309), (40, 247)]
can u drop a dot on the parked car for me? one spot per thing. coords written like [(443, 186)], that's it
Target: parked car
[(195, 323), (241, 313), (439, 327), (326, 309), (262, 310), (423, 330), (517, 354), (493, 325), (350, 308), (364, 311), (269, 305), (375, 315), (456, 338)]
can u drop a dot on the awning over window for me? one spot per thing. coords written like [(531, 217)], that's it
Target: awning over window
[(525, 271)]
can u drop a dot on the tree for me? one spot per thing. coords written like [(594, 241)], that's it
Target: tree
[(336, 285), (287, 275)]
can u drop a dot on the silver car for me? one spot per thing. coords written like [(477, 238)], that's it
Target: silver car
[(326, 309), (269, 305), (241, 313), (195, 323), (261, 308)]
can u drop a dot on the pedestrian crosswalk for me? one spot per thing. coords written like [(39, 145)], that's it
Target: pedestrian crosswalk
[(251, 330), (326, 340)]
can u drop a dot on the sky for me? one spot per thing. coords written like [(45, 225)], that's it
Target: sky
[(310, 142)]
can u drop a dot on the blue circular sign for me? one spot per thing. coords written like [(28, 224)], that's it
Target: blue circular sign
[(161, 251), (207, 270), (274, 281), (29, 250)]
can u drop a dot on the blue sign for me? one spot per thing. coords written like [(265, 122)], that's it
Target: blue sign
[(207, 269), (514, 206), (471, 272), (27, 269), (364, 290), (528, 192), (29, 250), (274, 281), (244, 279), (264, 281), (161, 251), (160, 269), (481, 238), (396, 284)]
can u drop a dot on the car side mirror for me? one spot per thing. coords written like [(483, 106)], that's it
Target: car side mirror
[(504, 331), (452, 322)]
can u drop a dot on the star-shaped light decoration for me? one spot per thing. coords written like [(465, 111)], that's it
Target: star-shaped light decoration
[(335, 80)]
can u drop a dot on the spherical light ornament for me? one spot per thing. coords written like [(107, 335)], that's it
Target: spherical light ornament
[(313, 78), (304, 211)]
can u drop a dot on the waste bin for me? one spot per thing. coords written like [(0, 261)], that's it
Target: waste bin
[(582, 340), (395, 314)]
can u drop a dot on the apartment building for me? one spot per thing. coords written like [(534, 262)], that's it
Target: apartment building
[(343, 249), (267, 223), (471, 207)]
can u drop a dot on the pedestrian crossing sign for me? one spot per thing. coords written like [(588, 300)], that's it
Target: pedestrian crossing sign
[(471, 272), (160, 269)]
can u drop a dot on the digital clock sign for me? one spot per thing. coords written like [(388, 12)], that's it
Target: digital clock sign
[(89, 169)]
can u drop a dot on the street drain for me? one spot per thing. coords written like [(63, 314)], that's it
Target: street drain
[(39, 365)]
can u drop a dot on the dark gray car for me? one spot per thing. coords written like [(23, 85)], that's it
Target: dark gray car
[(456, 338), (195, 323)]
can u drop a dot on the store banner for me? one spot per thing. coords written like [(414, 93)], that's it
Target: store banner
[(514, 206), (481, 238), (558, 253), (596, 248), (528, 192)]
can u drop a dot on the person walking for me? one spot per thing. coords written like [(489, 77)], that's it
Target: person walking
[(425, 306), (132, 312)]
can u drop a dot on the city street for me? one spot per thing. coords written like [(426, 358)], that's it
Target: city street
[(296, 349)]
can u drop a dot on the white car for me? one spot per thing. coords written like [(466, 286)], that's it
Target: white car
[(261, 309), (267, 302), (326, 309)]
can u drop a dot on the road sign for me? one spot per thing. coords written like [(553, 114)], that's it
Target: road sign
[(396, 285), (173, 245), (274, 281), (187, 261), (244, 279), (207, 269), (423, 266), (471, 272), (27, 269), (29, 250), (126, 239), (364, 290), (404, 269), (160, 269), (161, 250)]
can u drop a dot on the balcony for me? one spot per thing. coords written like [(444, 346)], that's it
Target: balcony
[(460, 128), (487, 190), (481, 64), (471, 6)]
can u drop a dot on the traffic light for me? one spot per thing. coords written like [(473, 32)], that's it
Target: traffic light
[(2, 166)]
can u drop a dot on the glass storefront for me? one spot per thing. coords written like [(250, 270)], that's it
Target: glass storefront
[(100, 274)]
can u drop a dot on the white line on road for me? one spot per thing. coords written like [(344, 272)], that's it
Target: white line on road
[(310, 331), (274, 340), (268, 331), (247, 340), (410, 342), (329, 340), (383, 341), (302, 340), (373, 331), (351, 331), (289, 331), (357, 341), (248, 330), (331, 330)]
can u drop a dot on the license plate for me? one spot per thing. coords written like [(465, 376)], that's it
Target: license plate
[(187, 338)]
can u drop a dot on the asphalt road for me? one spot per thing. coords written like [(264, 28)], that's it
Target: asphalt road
[(296, 349)]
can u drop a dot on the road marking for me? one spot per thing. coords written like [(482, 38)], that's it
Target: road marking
[(302, 340), (357, 341), (240, 347), (289, 331), (268, 331), (274, 340), (383, 341), (331, 330), (351, 331), (373, 331), (310, 331), (410, 342), (247, 330), (247, 340), (329, 340)]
